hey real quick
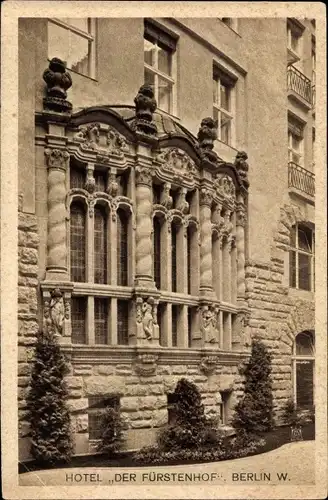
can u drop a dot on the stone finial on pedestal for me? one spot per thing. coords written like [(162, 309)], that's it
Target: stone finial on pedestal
[(206, 137), (145, 107), (242, 167), (58, 81)]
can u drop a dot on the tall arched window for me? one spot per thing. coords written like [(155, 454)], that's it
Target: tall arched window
[(174, 232), (157, 251), (77, 241), (122, 247), (303, 369), (100, 247)]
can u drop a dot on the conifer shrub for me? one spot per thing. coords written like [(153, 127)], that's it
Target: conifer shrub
[(48, 414), (254, 411), (112, 432)]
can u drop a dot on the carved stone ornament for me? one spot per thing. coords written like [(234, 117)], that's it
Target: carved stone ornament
[(144, 175), (146, 314), (177, 164), (208, 364), (57, 158), (182, 203), (146, 364), (241, 216), (55, 311), (88, 135), (105, 141), (90, 183), (112, 185), (225, 187), (166, 198), (146, 105), (206, 196), (209, 326), (242, 167), (58, 81), (206, 137)]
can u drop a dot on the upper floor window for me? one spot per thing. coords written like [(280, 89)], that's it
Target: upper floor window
[(301, 258), (223, 105), (159, 65), (303, 369), (295, 143), (294, 41), (73, 41), (313, 59)]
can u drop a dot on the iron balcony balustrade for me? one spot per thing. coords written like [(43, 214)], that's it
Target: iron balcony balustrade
[(301, 179), (313, 96), (299, 83)]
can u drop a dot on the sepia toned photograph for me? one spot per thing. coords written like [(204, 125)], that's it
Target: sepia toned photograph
[(166, 241)]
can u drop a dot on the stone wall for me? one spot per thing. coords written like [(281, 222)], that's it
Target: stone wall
[(28, 242), (277, 314)]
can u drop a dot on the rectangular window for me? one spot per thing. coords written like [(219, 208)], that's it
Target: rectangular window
[(301, 258), (78, 319), (96, 410), (101, 320), (223, 105), (122, 322), (159, 68), (295, 142), (73, 41), (175, 313)]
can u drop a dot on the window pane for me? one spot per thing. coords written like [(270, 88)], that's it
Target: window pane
[(174, 257), (305, 344), (304, 383), (101, 321), (157, 252), (164, 61), (122, 322), (122, 248), (293, 236), (304, 271), (100, 250), (305, 239), (225, 97), (58, 42), (80, 23), (225, 126), (100, 180), (78, 59), (78, 316), (295, 143), (95, 421), (174, 326), (164, 94), (77, 178), (292, 269), (77, 237), (149, 52), (215, 91), (294, 42), (216, 114), (150, 78)]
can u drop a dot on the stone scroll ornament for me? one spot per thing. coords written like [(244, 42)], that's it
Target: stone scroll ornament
[(58, 81)]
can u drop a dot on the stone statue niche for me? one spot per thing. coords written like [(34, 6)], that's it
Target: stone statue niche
[(146, 316)]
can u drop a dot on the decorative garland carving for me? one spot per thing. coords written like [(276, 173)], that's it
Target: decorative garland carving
[(58, 81), (225, 187), (146, 364), (176, 164), (208, 364), (92, 137)]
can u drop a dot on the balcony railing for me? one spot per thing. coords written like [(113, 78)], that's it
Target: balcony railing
[(300, 178), (313, 96), (299, 83)]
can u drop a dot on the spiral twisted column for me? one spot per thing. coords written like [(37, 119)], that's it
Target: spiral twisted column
[(206, 284), (240, 244), (57, 161), (144, 263)]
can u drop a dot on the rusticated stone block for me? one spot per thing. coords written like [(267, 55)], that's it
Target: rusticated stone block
[(147, 403), (74, 382), (28, 269), (24, 369), (78, 405), (32, 240), (104, 370), (155, 389), (27, 222), (136, 390), (28, 328), (101, 385), (179, 370), (141, 424), (82, 370), (23, 381), (128, 404), (164, 370), (23, 429), (28, 255), (160, 418)]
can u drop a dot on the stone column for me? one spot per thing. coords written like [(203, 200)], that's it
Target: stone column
[(144, 268), (183, 327), (57, 161), (206, 286), (240, 244)]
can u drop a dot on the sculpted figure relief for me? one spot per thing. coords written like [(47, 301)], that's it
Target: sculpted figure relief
[(208, 324), (57, 311)]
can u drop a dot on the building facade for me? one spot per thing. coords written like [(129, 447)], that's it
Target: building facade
[(148, 239)]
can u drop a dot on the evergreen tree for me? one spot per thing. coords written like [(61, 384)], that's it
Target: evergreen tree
[(254, 411), (112, 432), (48, 414)]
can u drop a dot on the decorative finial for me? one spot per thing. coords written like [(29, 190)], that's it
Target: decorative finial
[(206, 137), (58, 81), (242, 167), (145, 107)]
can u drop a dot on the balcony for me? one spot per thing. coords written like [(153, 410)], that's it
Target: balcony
[(299, 85), (301, 179)]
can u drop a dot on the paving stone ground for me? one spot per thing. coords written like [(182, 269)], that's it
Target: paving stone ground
[(296, 459)]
